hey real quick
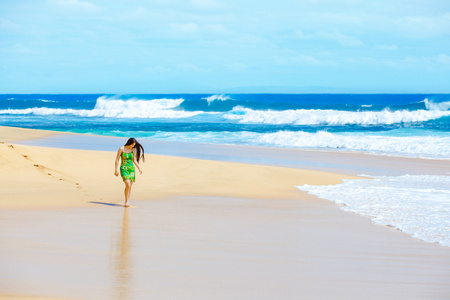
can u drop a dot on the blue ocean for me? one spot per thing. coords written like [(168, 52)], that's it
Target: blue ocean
[(405, 125), (412, 125)]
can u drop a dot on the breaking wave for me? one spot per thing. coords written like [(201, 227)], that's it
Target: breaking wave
[(213, 98), (112, 108), (225, 109), (427, 147), (332, 117), (440, 106), (413, 146)]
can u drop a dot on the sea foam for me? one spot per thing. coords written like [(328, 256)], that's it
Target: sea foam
[(136, 108), (418, 205), (426, 147), (332, 117), (213, 98), (117, 108), (432, 147), (441, 106)]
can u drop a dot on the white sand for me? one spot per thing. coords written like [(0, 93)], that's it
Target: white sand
[(201, 230)]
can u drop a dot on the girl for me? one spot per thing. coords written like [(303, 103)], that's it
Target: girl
[(130, 155)]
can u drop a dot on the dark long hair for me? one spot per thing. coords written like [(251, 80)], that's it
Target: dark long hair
[(138, 147)]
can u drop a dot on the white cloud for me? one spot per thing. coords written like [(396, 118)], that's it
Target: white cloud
[(17, 49), (338, 18), (343, 39), (377, 63), (300, 59), (134, 14), (207, 4), (158, 69), (74, 5), (237, 66), (443, 58), (401, 63), (298, 34), (307, 59), (327, 2), (184, 30), (166, 36), (216, 29), (6, 24), (189, 67), (425, 25), (387, 47)]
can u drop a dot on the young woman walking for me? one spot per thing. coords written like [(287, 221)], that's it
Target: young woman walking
[(130, 154)]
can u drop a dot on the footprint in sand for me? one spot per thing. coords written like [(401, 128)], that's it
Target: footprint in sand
[(43, 168)]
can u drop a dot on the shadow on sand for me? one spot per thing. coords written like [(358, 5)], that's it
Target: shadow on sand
[(106, 203)]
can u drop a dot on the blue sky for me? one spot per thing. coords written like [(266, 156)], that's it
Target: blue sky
[(214, 46)]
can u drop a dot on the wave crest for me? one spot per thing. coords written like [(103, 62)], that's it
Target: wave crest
[(440, 106), (136, 108), (117, 108), (412, 146), (332, 117), (213, 98)]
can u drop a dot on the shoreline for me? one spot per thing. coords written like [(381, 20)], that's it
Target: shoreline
[(351, 163), (202, 229), (87, 175)]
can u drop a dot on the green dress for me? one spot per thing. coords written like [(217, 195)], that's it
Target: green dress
[(127, 167)]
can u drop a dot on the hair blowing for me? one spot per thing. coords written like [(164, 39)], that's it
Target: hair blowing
[(138, 147)]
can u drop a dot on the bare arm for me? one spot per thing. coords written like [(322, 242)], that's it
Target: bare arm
[(117, 167), (135, 161)]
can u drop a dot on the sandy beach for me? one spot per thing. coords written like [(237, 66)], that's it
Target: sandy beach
[(201, 229)]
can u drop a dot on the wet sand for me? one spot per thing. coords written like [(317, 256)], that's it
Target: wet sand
[(331, 161), (201, 230), (216, 248)]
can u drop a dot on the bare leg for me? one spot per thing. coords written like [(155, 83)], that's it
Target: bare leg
[(128, 185)]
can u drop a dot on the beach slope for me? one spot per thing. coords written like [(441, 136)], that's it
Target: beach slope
[(40, 176), (201, 230)]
